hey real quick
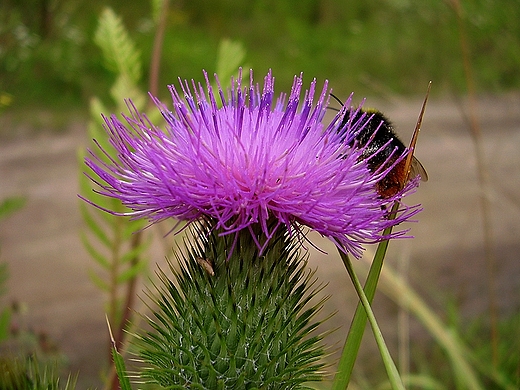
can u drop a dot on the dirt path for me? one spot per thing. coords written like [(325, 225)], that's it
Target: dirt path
[(48, 266)]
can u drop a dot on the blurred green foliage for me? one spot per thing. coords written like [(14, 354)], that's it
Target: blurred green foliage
[(48, 56)]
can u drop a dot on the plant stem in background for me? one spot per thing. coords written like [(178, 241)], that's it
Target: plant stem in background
[(483, 180), (127, 307), (400, 292), (136, 241), (157, 48)]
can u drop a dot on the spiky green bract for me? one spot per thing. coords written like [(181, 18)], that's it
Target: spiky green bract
[(243, 322)]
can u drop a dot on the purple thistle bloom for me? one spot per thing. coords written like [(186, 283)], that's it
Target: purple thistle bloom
[(247, 160)]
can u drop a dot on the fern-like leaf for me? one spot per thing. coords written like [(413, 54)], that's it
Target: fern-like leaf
[(125, 88), (119, 51)]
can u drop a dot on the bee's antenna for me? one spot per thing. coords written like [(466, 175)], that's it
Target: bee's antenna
[(337, 99), (415, 135)]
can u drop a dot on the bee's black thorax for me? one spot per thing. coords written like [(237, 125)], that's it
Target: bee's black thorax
[(375, 136)]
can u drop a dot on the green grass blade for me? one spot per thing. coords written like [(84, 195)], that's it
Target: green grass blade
[(119, 363), (391, 369), (5, 323), (394, 287)]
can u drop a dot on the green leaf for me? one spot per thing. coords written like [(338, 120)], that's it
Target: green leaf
[(135, 252), (96, 108), (95, 254), (94, 226), (131, 272), (133, 227), (28, 373), (100, 283), (125, 88), (231, 55)]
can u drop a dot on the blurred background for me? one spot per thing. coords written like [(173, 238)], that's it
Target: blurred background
[(464, 259)]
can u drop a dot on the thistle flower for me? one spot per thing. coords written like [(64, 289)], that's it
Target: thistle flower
[(244, 159)]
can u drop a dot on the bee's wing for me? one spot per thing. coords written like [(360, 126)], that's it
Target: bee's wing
[(416, 168)]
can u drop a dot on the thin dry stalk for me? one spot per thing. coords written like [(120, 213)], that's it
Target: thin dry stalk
[(483, 180)]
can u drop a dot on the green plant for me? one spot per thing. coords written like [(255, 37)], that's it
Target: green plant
[(27, 374), (117, 245)]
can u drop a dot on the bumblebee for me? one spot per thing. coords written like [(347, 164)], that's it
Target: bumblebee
[(381, 148)]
